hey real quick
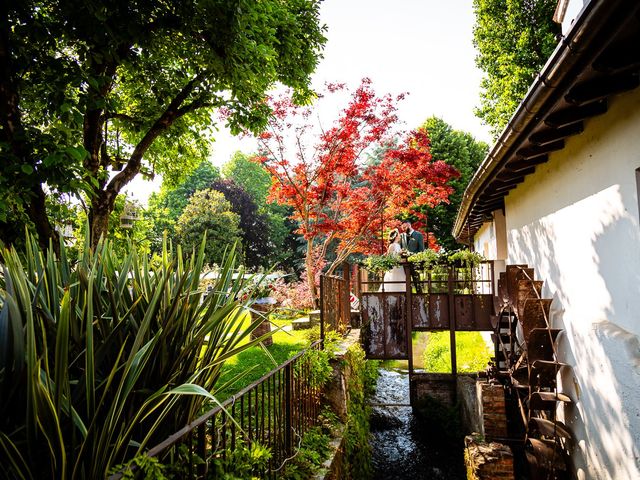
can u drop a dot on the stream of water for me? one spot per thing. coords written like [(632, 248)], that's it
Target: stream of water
[(404, 446)]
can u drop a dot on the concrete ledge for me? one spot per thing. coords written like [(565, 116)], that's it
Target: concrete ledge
[(302, 323)]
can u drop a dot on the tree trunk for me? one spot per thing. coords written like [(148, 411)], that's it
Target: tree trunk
[(38, 215), (101, 207), (311, 277)]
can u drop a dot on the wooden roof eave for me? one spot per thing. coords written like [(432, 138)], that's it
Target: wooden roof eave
[(552, 87)]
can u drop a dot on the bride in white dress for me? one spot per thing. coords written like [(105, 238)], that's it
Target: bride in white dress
[(396, 274)]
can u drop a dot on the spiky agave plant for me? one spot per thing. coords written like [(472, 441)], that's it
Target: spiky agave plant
[(100, 358)]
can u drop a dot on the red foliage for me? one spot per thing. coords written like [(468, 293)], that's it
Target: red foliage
[(334, 195)]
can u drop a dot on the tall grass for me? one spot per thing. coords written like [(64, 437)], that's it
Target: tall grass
[(100, 358)]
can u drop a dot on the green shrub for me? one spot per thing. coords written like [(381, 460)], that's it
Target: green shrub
[(360, 382), (100, 359), (314, 449), (242, 463)]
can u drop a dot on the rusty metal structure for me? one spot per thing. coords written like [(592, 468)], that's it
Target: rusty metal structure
[(526, 359), (453, 299), (527, 364), (335, 310)]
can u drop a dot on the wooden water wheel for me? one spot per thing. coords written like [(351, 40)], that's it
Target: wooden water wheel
[(527, 362)]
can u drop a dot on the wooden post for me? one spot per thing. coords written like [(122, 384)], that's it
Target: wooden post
[(452, 322), (492, 266), (346, 310), (409, 324)]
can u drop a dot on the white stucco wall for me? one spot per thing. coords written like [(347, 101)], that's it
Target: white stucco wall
[(576, 221), (484, 241), (491, 241)]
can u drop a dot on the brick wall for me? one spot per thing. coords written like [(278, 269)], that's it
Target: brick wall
[(494, 414), (439, 386)]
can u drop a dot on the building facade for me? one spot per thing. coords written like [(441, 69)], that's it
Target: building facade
[(559, 193)]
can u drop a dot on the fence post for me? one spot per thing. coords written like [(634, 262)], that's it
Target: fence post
[(202, 450), (409, 313), (288, 431), (452, 321), (346, 310)]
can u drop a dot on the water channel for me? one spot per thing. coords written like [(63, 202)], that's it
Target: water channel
[(406, 446)]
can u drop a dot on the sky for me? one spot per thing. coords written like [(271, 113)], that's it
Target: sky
[(423, 47)]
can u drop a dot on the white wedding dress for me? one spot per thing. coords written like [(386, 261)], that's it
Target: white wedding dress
[(396, 274)]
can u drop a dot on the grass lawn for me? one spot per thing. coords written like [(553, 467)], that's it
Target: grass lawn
[(255, 362), (472, 353)]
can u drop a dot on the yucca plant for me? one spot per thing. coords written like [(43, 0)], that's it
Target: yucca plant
[(100, 358)]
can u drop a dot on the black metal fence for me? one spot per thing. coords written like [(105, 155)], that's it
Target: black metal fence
[(275, 411)]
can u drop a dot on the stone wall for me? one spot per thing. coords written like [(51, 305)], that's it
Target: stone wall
[(487, 461), (438, 386), (483, 412)]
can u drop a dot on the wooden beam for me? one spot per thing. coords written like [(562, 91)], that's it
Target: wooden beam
[(550, 135), (602, 87), (488, 208), (537, 150), (507, 174), (570, 115), (523, 164), (621, 56)]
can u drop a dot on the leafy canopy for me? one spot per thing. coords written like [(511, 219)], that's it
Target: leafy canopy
[(254, 227), (463, 152), (514, 39), (208, 211), (95, 92)]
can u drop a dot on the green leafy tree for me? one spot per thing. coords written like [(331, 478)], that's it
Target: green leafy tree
[(94, 93), (465, 153), (514, 39), (127, 226), (256, 181), (166, 207), (254, 228), (252, 175), (208, 211)]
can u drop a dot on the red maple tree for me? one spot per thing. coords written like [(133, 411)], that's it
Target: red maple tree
[(337, 198)]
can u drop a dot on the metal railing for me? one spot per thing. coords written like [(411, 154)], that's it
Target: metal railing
[(274, 411), (442, 279)]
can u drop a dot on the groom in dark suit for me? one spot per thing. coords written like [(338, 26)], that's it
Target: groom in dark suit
[(412, 241)]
